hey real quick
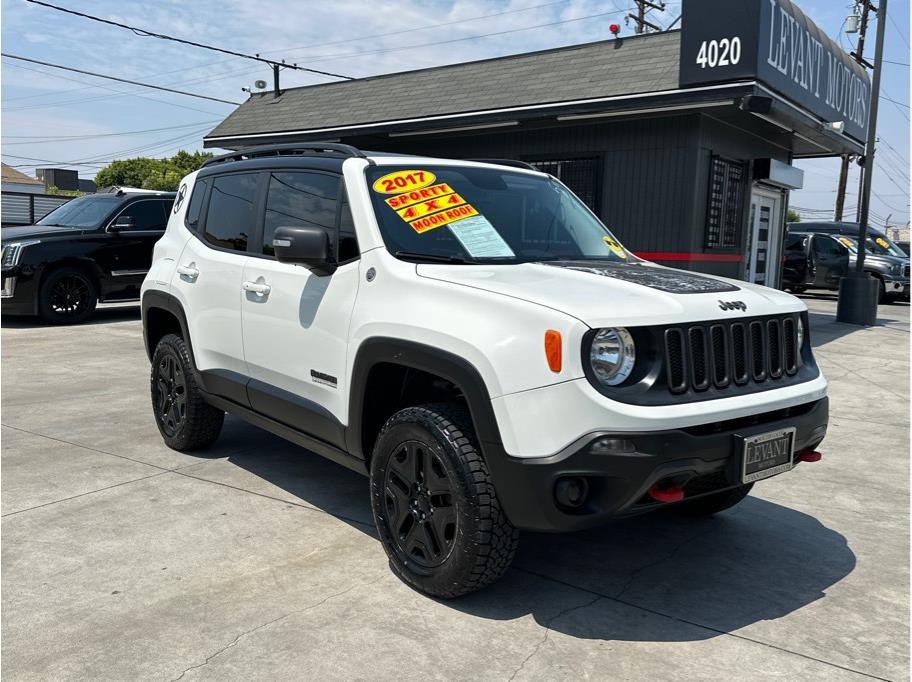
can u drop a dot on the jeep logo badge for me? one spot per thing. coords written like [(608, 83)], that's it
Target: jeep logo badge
[(733, 305)]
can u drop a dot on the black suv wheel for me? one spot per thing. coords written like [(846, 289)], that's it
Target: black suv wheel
[(67, 296), (185, 420), (434, 504)]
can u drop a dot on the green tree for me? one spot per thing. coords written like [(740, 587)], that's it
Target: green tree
[(792, 216), (159, 174)]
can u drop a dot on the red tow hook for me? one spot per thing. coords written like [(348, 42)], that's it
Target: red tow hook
[(810, 456), (670, 494)]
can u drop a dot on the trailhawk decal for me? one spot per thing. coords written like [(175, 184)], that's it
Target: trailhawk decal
[(670, 281)]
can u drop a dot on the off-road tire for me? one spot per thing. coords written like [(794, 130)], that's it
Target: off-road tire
[(881, 291), (186, 422), (67, 296), (714, 502), (483, 541)]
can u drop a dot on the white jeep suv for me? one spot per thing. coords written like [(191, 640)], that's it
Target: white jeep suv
[(475, 340)]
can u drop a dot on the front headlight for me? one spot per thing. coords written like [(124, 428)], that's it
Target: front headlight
[(13, 251), (800, 332), (896, 268), (612, 355)]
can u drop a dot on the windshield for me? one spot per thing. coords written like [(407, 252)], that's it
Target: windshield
[(877, 245), (87, 211), (461, 214)]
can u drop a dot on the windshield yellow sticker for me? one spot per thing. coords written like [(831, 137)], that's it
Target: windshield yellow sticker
[(445, 217), (430, 206), (616, 248), (418, 195), (403, 181), (882, 242), (847, 242)]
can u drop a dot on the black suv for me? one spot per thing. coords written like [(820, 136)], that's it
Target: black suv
[(95, 247), (818, 259)]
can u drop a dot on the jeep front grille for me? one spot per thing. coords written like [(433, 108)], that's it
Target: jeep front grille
[(722, 353), (906, 270)]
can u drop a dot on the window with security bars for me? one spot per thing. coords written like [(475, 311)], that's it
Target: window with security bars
[(580, 175), (726, 199)]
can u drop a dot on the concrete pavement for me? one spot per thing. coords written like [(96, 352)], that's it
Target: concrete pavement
[(122, 559)]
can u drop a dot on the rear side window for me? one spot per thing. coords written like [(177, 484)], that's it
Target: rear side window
[(795, 242), (300, 199), (195, 207), (230, 219), (150, 214), (825, 246)]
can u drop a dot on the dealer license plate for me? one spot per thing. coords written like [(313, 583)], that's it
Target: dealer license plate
[(767, 454)]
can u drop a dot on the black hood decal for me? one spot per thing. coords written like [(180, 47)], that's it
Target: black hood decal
[(662, 279)]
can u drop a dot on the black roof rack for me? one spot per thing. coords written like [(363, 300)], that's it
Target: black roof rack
[(516, 163), (289, 149)]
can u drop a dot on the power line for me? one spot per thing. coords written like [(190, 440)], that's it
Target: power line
[(889, 99), (66, 138), (162, 36), (208, 78), (122, 93), (115, 78), (890, 61), (106, 158), (419, 28), (898, 30), (411, 46)]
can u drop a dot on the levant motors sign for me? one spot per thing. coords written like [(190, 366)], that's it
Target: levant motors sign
[(773, 42)]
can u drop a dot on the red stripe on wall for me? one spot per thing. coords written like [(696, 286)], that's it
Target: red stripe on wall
[(694, 257)]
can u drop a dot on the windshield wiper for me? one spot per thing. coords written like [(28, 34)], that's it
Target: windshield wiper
[(430, 257)]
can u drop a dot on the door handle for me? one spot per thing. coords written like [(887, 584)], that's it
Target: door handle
[(188, 271), (257, 288)]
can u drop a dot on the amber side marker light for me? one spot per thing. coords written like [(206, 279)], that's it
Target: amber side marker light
[(553, 350)]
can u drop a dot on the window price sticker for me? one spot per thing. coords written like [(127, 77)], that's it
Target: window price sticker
[(479, 238)]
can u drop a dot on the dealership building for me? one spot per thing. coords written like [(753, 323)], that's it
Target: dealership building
[(682, 142)]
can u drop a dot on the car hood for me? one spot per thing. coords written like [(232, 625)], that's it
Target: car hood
[(39, 231), (605, 294), (883, 259)]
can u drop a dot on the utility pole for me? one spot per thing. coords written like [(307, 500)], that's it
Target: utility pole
[(643, 6), (858, 292), (844, 166)]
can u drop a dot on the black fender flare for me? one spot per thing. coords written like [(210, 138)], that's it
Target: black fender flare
[(453, 368), (164, 301)]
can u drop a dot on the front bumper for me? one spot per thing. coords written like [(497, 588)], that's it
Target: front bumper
[(704, 459), (897, 286), (18, 291)]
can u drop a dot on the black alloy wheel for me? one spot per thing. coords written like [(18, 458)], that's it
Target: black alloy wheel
[(419, 504), (184, 418), (67, 296), (170, 394), (435, 506)]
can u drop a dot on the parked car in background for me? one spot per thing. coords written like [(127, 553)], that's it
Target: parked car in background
[(878, 242), (94, 248), (815, 260)]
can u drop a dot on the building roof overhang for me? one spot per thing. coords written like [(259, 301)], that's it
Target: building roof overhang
[(800, 131)]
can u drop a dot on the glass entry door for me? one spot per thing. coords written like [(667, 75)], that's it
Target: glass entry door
[(766, 230)]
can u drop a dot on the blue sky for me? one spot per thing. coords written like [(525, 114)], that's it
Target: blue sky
[(59, 116)]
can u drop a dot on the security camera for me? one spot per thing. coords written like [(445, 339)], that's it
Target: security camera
[(834, 126)]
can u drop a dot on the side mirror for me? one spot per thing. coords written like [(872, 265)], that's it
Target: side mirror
[(307, 246), (123, 222)]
